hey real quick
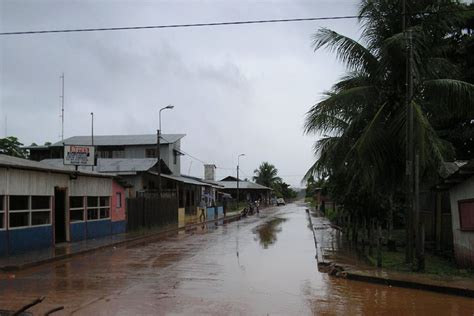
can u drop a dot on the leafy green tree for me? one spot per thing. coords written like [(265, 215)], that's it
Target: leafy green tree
[(12, 147), (362, 118), (266, 174), (282, 189)]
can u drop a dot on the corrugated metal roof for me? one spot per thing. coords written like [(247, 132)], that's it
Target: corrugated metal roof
[(118, 166), (456, 173), (14, 162), (120, 140), (242, 185), (185, 180)]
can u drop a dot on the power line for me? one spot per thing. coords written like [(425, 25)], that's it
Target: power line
[(182, 151), (165, 26), (180, 25)]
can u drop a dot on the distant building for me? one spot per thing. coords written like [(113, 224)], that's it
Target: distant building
[(248, 191), (119, 147)]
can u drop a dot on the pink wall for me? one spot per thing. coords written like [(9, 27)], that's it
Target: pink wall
[(117, 213)]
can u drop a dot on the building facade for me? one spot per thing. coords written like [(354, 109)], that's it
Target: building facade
[(41, 206), (119, 147)]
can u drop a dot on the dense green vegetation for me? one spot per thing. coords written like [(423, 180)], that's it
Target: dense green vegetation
[(361, 156), (266, 174), (12, 147)]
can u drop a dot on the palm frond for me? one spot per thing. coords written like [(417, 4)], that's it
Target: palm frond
[(454, 98), (354, 55), (341, 106)]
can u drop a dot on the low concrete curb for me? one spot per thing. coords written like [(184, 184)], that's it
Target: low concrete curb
[(409, 284), (138, 239)]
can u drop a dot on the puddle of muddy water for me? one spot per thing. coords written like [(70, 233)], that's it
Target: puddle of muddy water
[(267, 232)]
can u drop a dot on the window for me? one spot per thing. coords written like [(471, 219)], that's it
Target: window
[(2, 212), (40, 202), (40, 210), (76, 209), (104, 154), (19, 215), (98, 207), (466, 214), (19, 202), (118, 154), (92, 208), (150, 153), (40, 218), (118, 197), (104, 209)]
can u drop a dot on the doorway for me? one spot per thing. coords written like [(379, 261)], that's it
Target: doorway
[(59, 215)]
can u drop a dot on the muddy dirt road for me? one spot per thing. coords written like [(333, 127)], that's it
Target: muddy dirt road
[(262, 265)]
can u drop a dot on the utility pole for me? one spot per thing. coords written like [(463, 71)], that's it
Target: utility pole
[(419, 232), (237, 185), (92, 136), (158, 152), (158, 157), (238, 167), (409, 141), (411, 149), (62, 107)]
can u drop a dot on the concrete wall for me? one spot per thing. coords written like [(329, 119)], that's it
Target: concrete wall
[(30, 238), (3, 243), (463, 240), (117, 210), (166, 153), (176, 168)]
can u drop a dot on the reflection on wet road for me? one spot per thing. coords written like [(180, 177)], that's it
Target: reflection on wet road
[(257, 266)]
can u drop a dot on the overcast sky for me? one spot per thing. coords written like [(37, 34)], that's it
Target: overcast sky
[(236, 89)]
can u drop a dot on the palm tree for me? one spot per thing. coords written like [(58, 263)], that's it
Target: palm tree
[(362, 118), (266, 175)]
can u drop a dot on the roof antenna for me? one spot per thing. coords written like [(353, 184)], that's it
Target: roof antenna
[(62, 107)]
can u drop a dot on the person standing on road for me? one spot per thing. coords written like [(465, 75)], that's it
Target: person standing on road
[(202, 206)]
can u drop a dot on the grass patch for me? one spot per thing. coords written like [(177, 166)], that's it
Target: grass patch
[(310, 201), (433, 265), (330, 213)]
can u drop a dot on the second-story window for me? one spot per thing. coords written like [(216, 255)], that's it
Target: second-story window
[(150, 153)]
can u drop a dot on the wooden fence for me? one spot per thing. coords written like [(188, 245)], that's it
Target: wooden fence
[(146, 212)]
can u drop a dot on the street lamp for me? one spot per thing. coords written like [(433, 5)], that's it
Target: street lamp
[(238, 166), (158, 137)]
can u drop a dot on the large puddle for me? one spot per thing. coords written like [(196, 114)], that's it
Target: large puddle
[(267, 232)]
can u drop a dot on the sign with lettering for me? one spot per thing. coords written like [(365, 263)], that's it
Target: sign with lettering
[(79, 155)]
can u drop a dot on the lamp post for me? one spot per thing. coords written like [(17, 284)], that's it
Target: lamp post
[(238, 166), (158, 137), (92, 138)]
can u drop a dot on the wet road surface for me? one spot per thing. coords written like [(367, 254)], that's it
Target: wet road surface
[(262, 265)]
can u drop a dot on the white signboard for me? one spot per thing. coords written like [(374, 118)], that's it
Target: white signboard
[(79, 155)]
